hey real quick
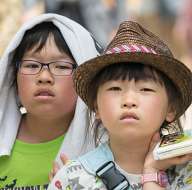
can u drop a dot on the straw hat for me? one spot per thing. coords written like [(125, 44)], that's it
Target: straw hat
[(133, 43)]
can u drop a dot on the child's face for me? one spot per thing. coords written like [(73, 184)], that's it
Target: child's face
[(132, 109), (44, 94)]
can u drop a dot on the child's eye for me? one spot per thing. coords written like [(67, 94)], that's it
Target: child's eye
[(114, 88), (62, 67), (147, 90), (32, 66)]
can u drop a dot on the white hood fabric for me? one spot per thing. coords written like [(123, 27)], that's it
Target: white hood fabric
[(83, 48)]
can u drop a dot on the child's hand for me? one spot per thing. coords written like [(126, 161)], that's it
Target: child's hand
[(151, 165), (56, 166)]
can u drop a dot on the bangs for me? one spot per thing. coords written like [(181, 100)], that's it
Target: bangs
[(131, 71), (36, 38)]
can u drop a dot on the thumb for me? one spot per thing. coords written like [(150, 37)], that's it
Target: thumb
[(64, 158)]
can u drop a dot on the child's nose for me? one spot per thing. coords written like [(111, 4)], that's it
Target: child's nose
[(45, 76), (129, 99)]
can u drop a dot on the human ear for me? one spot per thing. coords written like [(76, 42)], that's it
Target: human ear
[(171, 113), (97, 116)]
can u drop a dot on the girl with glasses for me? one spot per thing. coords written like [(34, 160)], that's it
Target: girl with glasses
[(36, 74)]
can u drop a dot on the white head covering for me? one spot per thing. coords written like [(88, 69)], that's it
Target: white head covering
[(82, 47)]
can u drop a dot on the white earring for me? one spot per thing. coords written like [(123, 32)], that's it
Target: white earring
[(23, 110)]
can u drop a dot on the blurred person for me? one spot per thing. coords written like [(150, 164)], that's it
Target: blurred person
[(68, 8), (31, 8), (183, 35), (10, 13), (183, 31), (102, 17)]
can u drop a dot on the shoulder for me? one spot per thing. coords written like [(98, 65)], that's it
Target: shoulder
[(181, 177), (94, 159), (74, 175)]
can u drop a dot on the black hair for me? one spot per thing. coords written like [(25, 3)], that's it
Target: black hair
[(136, 71), (37, 36)]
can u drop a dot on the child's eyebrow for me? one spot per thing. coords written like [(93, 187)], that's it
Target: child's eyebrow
[(37, 55)]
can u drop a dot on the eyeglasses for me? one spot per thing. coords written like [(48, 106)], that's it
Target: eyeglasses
[(59, 68)]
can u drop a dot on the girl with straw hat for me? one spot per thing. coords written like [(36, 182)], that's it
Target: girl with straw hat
[(136, 88)]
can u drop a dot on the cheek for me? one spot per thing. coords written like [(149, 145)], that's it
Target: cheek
[(157, 104), (155, 112), (107, 106), (67, 94), (23, 88)]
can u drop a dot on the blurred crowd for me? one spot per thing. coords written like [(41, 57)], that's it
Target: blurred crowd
[(169, 19)]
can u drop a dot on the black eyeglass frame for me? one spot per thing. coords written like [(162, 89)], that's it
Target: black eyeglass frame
[(19, 63)]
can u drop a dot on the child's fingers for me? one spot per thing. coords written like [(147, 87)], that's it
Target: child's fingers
[(182, 159), (51, 176), (56, 166), (64, 158)]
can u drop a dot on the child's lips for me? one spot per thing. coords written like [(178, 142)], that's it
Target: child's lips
[(129, 116), (44, 93)]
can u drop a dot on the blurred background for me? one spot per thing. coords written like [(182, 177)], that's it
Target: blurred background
[(169, 19)]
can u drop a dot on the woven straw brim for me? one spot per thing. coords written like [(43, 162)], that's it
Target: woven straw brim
[(180, 75)]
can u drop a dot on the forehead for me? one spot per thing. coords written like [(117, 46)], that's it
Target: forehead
[(48, 51)]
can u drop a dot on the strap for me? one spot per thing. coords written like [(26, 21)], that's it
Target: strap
[(94, 159), (111, 177), (100, 162)]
